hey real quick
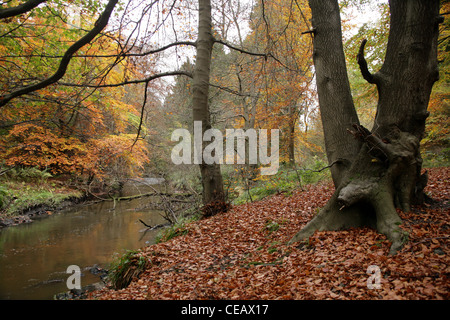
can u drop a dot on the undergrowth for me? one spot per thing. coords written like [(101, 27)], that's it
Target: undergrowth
[(287, 179), (124, 268), (25, 188), (177, 229)]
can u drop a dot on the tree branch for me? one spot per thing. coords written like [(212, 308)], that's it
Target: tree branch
[(100, 24), (145, 80), (232, 91), (178, 43), (265, 55), (375, 143), (363, 65), (122, 54), (142, 115), (18, 10)]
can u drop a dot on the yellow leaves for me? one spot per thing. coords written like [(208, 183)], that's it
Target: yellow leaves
[(68, 129), (114, 150)]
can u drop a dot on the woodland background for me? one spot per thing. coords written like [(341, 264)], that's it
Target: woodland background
[(95, 128)]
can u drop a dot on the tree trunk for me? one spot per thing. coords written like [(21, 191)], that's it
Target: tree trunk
[(292, 122), (385, 172), (336, 104), (210, 173)]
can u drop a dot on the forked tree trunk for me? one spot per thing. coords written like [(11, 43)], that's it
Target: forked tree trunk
[(210, 173), (384, 171)]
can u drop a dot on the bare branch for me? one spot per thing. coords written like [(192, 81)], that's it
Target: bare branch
[(311, 31), (142, 115), (232, 91), (145, 80), (100, 24), (265, 55), (378, 148), (122, 54)]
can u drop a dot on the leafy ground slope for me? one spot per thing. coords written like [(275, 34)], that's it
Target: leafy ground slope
[(242, 255)]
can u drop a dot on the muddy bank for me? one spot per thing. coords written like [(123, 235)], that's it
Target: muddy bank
[(40, 211)]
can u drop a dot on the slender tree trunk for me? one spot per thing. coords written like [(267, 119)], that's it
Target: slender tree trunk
[(384, 172), (211, 175), (293, 115)]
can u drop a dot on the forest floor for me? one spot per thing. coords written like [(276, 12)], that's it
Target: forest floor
[(243, 254)]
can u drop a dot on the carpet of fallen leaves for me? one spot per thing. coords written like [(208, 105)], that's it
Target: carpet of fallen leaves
[(243, 255)]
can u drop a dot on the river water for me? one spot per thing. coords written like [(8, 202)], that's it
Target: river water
[(34, 257)]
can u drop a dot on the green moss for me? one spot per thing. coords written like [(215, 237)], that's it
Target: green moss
[(16, 198)]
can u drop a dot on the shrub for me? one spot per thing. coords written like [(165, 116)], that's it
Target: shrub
[(3, 197)]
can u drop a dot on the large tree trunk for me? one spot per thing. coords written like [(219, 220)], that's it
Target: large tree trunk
[(336, 104), (211, 175), (385, 171)]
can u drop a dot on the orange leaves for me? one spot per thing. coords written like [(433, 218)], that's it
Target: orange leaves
[(64, 128), (115, 151), (32, 145), (233, 256)]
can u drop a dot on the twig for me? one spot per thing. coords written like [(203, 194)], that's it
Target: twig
[(6, 170), (150, 227), (428, 239), (312, 31), (147, 225), (326, 167)]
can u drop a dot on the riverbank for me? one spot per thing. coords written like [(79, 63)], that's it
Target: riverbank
[(243, 254), (37, 211), (24, 201)]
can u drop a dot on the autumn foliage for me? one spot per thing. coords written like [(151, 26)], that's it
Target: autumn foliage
[(68, 129), (243, 255)]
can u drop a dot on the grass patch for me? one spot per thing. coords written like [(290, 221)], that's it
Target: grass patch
[(124, 268), (26, 188), (437, 158), (272, 226), (176, 230), (16, 198), (286, 180)]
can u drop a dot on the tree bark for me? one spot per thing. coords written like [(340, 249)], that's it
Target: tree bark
[(384, 174), (210, 173), (336, 104)]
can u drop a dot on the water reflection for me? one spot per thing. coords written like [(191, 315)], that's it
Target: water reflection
[(34, 257)]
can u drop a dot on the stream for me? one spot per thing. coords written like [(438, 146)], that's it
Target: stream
[(34, 257)]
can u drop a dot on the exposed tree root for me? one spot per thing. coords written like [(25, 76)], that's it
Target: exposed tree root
[(384, 173)]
